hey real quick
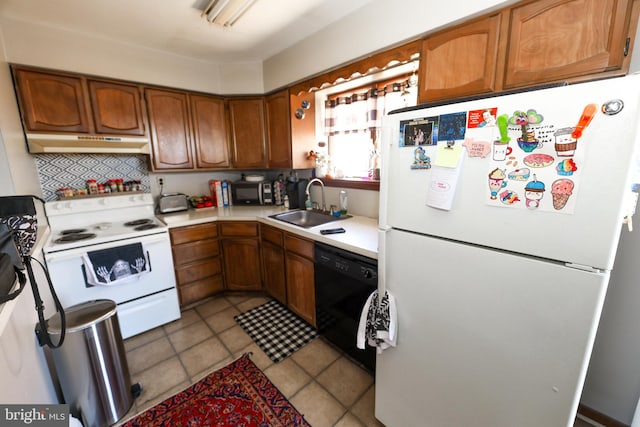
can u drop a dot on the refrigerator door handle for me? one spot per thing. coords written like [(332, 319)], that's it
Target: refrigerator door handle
[(382, 238), (386, 145)]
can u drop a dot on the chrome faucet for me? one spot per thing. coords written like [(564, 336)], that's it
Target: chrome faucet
[(324, 205)]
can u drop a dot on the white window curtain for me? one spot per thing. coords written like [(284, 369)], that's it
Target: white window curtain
[(352, 125)]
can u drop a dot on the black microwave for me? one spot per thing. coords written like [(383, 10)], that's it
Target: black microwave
[(251, 193)]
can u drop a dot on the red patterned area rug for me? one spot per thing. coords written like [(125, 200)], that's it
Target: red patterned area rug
[(236, 395)]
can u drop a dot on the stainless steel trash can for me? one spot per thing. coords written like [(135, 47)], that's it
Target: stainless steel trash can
[(91, 363)]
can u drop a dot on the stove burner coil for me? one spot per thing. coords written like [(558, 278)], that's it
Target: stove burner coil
[(138, 222), (74, 237), (73, 231), (145, 227)]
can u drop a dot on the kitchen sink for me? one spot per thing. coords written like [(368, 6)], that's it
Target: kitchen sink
[(307, 219)]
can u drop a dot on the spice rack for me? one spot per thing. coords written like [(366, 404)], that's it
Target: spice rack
[(92, 196), (93, 189)]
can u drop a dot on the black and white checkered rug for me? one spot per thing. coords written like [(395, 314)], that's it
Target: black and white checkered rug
[(276, 330)]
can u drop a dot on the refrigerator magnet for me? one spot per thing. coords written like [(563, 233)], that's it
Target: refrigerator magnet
[(420, 131), (527, 140), (533, 193), (420, 159), (482, 118), (452, 127), (449, 154), (476, 148)]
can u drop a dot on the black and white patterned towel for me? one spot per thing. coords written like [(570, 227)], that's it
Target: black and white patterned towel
[(114, 266), (276, 330), (378, 322)]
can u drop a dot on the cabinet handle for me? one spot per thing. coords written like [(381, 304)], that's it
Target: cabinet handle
[(626, 46)]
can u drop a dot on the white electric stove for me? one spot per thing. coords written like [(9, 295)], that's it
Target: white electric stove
[(90, 225)]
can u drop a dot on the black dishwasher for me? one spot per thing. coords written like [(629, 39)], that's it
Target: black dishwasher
[(344, 281)]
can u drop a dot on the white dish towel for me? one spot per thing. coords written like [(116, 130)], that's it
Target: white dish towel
[(378, 322)]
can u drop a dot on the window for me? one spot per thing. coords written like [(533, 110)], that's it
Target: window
[(352, 124)]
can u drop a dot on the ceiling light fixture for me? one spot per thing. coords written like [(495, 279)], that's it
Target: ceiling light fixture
[(226, 12)]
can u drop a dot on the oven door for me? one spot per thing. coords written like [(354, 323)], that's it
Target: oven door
[(143, 303)]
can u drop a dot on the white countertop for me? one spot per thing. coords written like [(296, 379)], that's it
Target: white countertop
[(361, 234)]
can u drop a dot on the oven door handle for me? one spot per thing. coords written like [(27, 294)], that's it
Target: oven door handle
[(149, 301), (75, 252)]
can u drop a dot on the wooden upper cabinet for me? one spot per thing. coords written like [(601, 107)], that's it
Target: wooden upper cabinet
[(52, 102), (117, 108), (278, 130), (170, 129), (460, 61), (303, 130), (209, 131), (551, 40), (246, 120)]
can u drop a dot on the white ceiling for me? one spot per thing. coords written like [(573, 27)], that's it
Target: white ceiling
[(176, 26)]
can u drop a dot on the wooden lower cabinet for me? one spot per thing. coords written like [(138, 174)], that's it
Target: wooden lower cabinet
[(273, 274), (288, 271), (197, 263), (300, 277), (241, 254)]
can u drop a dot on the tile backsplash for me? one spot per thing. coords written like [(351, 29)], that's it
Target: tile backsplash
[(73, 170)]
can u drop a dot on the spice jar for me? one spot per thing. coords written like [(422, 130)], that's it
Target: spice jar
[(92, 186)]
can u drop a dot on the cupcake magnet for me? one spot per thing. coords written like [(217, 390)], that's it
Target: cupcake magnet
[(533, 193)]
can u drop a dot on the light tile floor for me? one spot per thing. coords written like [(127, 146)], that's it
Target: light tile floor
[(319, 380)]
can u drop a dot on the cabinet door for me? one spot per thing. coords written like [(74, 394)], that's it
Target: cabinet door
[(246, 118), (117, 108), (52, 102), (199, 280), (170, 129), (274, 275), (301, 297), (278, 130), (303, 129), (209, 131), (460, 61), (558, 39), (242, 264)]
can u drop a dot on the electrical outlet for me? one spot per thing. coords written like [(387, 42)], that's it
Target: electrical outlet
[(160, 180)]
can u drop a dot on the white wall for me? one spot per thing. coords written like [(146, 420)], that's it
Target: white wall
[(32, 44), (24, 374), (612, 386), (23, 175)]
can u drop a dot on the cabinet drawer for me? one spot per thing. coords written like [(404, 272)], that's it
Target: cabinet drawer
[(297, 245), (198, 270), (200, 289), (193, 233), (271, 234), (239, 229), (183, 254)]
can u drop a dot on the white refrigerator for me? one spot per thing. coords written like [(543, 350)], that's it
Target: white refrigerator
[(499, 222)]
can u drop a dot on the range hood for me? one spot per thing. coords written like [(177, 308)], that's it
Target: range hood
[(56, 143)]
